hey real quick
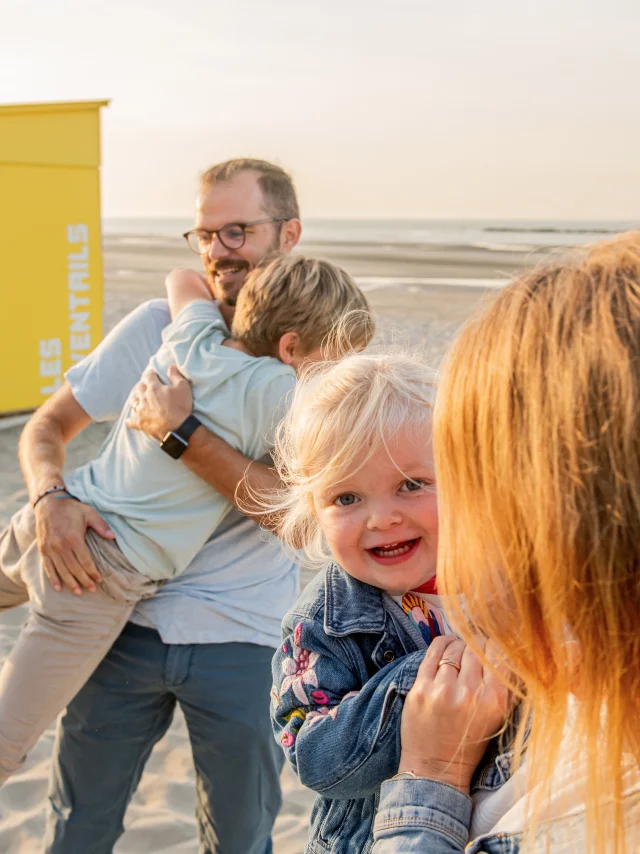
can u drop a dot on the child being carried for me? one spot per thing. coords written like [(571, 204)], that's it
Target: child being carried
[(160, 511)]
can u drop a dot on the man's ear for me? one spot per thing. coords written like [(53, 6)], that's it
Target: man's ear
[(289, 348), (290, 234)]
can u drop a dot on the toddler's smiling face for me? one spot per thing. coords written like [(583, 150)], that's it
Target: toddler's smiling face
[(381, 522)]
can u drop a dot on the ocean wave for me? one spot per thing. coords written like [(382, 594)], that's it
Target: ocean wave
[(508, 229), (376, 283), (504, 247)]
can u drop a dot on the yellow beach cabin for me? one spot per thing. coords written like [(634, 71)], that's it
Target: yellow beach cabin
[(50, 246)]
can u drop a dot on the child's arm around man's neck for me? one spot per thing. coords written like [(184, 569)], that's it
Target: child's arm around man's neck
[(187, 286), (184, 287)]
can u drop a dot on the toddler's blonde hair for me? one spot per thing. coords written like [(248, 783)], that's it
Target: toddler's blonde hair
[(342, 414)]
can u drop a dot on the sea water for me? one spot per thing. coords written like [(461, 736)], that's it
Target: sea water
[(490, 234)]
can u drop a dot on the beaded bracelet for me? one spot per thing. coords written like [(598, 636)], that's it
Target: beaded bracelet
[(49, 491)]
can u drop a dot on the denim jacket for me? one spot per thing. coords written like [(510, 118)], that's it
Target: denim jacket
[(425, 817), (348, 658)]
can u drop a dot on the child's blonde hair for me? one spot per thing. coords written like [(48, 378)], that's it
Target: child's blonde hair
[(537, 445), (304, 295), (340, 416)]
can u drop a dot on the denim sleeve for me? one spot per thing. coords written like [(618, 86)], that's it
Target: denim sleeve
[(342, 738), (421, 816)]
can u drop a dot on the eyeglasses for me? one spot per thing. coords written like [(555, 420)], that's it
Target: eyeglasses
[(232, 235)]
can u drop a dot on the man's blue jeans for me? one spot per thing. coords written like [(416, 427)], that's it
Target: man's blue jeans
[(108, 731)]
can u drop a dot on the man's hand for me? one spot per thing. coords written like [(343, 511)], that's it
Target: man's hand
[(61, 524), (159, 408)]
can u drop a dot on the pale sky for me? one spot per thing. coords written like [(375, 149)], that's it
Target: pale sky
[(488, 109)]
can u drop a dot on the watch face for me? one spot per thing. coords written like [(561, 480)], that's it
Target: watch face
[(173, 445)]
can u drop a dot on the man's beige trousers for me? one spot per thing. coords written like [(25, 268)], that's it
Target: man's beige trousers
[(65, 637)]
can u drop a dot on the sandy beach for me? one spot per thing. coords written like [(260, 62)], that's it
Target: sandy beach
[(421, 295)]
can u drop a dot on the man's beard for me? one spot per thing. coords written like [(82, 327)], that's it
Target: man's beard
[(218, 288), (238, 264)]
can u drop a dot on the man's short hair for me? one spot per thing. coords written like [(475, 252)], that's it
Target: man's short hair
[(316, 299), (276, 185)]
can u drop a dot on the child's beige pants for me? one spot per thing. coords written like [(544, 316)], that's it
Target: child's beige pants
[(65, 637)]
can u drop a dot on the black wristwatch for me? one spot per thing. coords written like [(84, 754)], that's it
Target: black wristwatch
[(175, 443)]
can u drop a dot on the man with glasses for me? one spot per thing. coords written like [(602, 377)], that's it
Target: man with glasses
[(206, 639)]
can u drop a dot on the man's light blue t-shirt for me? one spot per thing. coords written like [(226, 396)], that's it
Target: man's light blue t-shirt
[(240, 584)]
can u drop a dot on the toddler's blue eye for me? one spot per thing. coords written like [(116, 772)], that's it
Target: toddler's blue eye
[(346, 500), (412, 485)]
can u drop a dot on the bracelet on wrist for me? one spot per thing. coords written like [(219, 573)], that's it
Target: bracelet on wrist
[(407, 775), (58, 489), (411, 775)]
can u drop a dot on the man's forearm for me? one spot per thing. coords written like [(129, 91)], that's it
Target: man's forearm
[(159, 408), (42, 443), (41, 453), (236, 477)]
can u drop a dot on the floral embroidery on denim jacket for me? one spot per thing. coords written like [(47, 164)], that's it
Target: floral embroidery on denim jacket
[(348, 657)]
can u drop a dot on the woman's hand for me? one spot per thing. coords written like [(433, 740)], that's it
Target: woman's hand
[(450, 714)]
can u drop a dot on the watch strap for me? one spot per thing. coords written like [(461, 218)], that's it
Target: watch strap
[(188, 427)]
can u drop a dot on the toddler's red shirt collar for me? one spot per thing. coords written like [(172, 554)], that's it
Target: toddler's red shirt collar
[(428, 587)]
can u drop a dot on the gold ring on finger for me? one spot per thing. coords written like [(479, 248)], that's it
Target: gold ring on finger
[(450, 661)]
